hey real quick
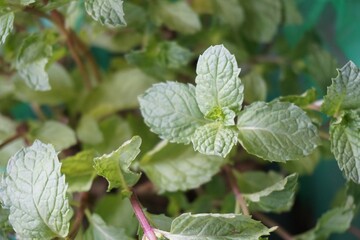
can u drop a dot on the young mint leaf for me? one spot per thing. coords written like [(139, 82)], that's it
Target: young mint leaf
[(336, 220), (31, 61), (6, 26), (262, 18), (218, 84), (115, 167), (216, 227), (162, 167), (56, 133), (108, 12), (214, 139), (345, 144), (99, 230), (36, 193), (343, 92), (171, 111), (79, 171), (276, 131), (178, 16), (278, 197)]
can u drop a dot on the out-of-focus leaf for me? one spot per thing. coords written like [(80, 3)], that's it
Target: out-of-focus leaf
[(7, 151), (79, 171), (7, 128), (254, 87), (88, 131), (163, 163), (302, 100), (6, 26), (305, 166), (291, 12), (230, 12)]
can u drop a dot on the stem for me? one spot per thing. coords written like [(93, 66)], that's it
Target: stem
[(84, 196), (281, 232), (148, 230), (240, 201)]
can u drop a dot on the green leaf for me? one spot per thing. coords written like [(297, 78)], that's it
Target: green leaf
[(56, 133), (108, 12), (254, 87), (214, 139), (36, 193), (7, 151), (262, 18), (171, 111), (6, 26), (291, 12), (278, 197), (277, 131), (304, 166), (230, 12), (345, 144), (62, 88), (216, 227), (99, 230), (31, 61), (7, 128), (88, 131), (308, 97), (4, 219), (119, 93), (79, 171), (162, 166), (336, 220), (218, 84), (178, 16), (115, 167), (343, 92)]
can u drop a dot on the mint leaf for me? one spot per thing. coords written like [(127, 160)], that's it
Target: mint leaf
[(6, 26), (214, 139), (262, 18), (215, 226), (88, 131), (345, 144), (276, 131), (230, 12), (254, 87), (278, 197), (162, 166), (36, 193), (308, 97), (343, 92), (108, 12), (115, 167), (178, 16), (171, 111), (31, 61), (99, 230), (291, 12), (79, 171), (56, 133), (218, 84), (7, 128)]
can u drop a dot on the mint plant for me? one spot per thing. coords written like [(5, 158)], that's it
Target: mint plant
[(97, 140)]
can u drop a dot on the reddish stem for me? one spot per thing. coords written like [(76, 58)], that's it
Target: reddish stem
[(148, 230)]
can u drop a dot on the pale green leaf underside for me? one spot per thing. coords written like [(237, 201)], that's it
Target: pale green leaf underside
[(99, 230), (345, 145), (31, 61), (216, 227), (262, 18), (217, 81), (6, 26), (115, 167), (343, 94), (277, 131), (79, 171), (277, 198), (36, 193), (214, 139), (178, 167), (171, 111), (108, 12)]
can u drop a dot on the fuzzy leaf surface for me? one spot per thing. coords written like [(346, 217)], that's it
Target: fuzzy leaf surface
[(171, 111), (277, 131), (216, 227), (162, 167), (343, 94), (6, 26), (36, 193), (108, 12), (217, 81), (115, 167)]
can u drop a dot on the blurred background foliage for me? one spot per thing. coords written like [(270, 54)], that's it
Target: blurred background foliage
[(284, 47)]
